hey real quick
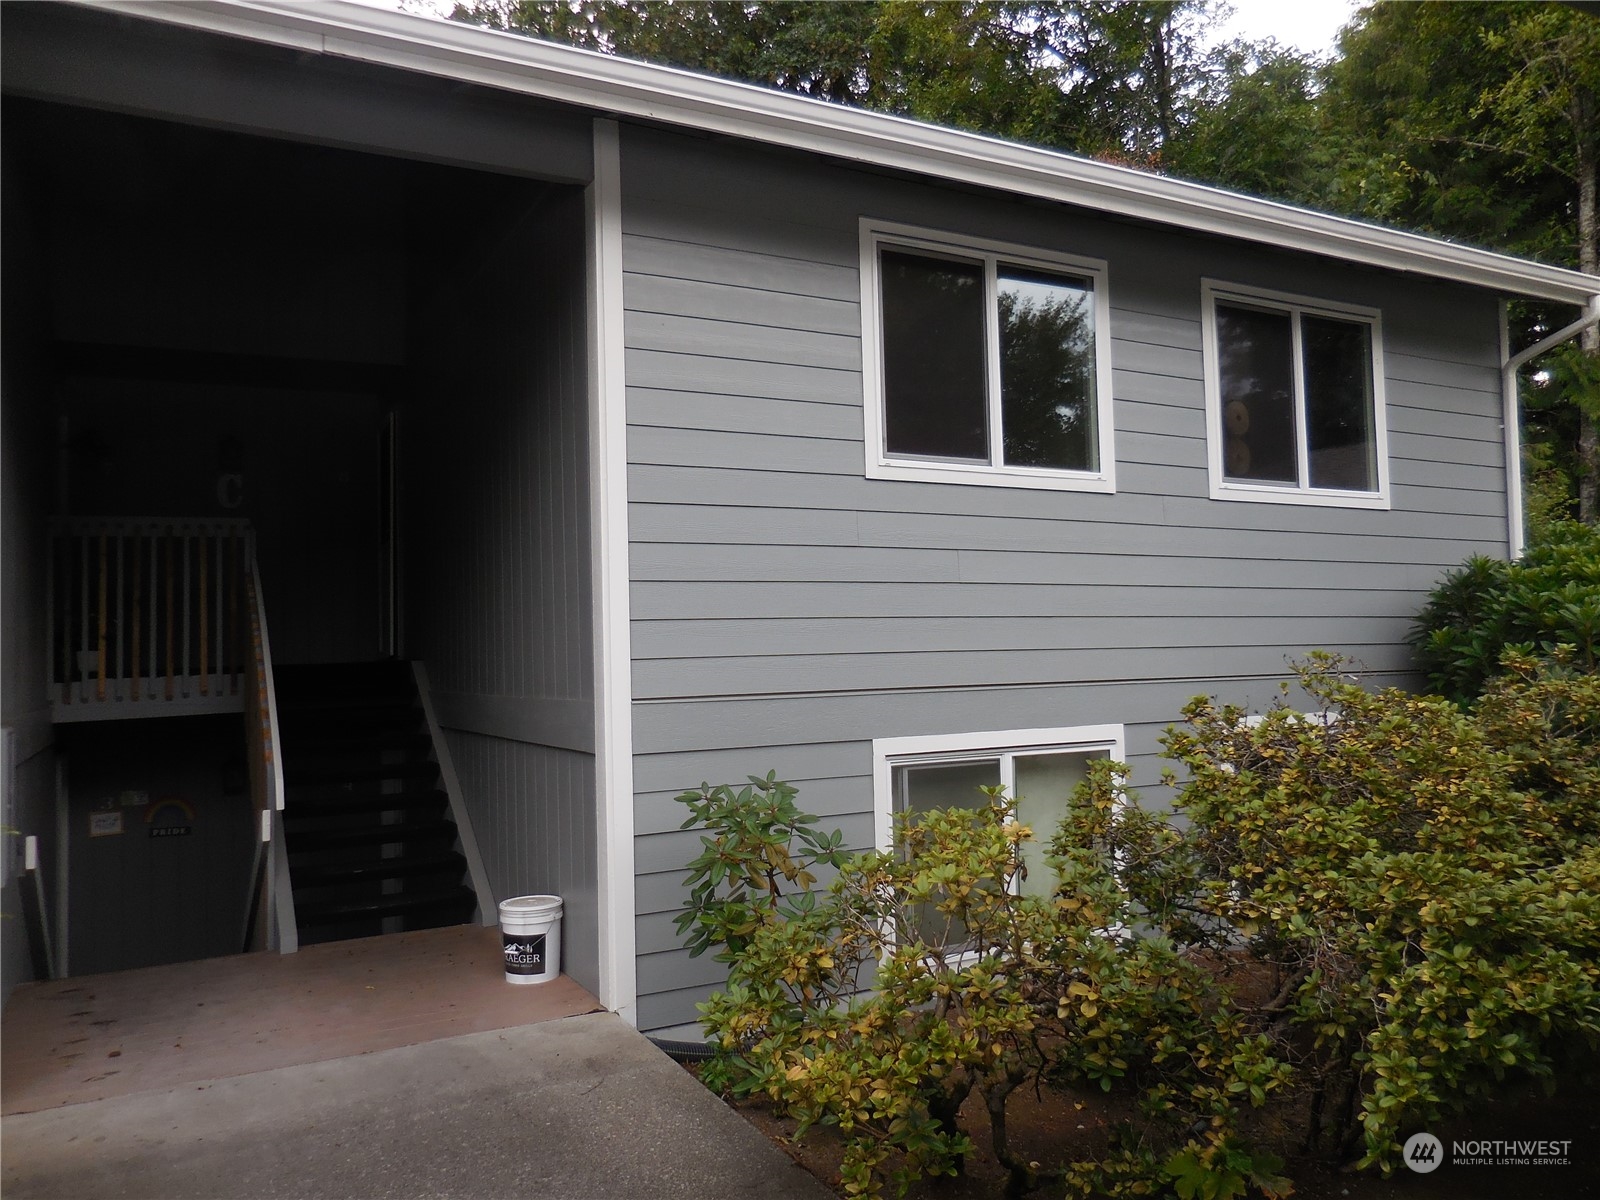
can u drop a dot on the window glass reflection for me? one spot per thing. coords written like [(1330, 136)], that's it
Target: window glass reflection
[(933, 358), (1047, 371), (1338, 382), (1256, 366)]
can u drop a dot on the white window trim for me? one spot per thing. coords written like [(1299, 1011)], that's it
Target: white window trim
[(889, 753), (1222, 488), (879, 465)]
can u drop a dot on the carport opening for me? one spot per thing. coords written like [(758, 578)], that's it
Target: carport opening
[(208, 325)]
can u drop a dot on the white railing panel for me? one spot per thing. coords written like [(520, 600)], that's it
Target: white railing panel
[(144, 616)]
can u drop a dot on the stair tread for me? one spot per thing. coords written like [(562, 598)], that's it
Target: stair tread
[(321, 773), (320, 702), (312, 875), (376, 835), (325, 740), (338, 723), (395, 905), (298, 807)]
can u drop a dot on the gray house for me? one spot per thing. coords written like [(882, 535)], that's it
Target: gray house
[(680, 430)]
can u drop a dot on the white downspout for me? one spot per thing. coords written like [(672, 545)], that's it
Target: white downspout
[(1510, 364)]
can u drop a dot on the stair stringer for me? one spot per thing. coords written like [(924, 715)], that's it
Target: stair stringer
[(285, 929), (488, 910)]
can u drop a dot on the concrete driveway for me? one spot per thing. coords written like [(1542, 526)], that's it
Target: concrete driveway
[(582, 1108)]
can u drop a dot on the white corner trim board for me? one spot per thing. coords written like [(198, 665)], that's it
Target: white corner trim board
[(664, 94), (608, 484), (1511, 428)]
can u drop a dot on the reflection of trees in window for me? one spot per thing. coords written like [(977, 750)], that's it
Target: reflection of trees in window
[(1256, 370), (933, 358), (1047, 372)]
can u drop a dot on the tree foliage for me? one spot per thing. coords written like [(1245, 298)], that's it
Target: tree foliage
[(1479, 122), (1257, 127), (1120, 81), (811, 47)]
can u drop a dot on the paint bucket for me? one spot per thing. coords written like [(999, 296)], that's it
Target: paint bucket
[(530, 931)]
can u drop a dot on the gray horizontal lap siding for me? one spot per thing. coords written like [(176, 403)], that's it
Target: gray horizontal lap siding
[(786, 609)]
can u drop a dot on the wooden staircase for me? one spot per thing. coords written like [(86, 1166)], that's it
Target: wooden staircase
[(371, 843)]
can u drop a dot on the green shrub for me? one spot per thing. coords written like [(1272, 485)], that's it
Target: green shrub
[(1431, 925), (1419, 883), (976, 988), (1548, 599), (1544, 716), (753, 843)]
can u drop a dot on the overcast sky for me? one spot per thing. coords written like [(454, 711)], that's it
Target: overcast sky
[(1308, 25)]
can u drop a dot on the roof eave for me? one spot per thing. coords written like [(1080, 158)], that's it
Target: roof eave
[(641, 90)]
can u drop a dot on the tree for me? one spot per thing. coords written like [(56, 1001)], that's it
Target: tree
[(1131, 71), (1547, 112), (1478, 121), (1113, 80), (806, 46), (1256, 126), (971, 65)]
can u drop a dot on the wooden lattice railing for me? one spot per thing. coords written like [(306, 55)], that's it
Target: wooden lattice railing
[(148, 617)]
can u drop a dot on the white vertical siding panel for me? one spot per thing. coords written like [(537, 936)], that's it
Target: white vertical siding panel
[(498, 556)]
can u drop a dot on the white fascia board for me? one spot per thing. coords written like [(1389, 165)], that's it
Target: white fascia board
[(622, 87)]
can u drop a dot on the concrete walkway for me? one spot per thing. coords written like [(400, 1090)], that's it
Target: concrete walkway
[(94, 1037), (583, 1108)]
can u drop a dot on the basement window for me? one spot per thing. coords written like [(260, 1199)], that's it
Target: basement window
[(1038, 767), (985, 363), (1294, 399)]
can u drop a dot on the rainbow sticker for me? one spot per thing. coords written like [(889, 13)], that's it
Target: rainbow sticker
[(176, 816), (169, 807)]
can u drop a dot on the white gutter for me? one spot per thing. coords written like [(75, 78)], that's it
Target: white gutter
[(644, 91), (1511, 399)]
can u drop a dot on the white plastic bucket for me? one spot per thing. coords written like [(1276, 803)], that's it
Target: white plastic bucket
[(530, 931)]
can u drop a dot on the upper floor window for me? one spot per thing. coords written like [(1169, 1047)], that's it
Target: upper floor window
[(1294, 399), (984, 363)]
